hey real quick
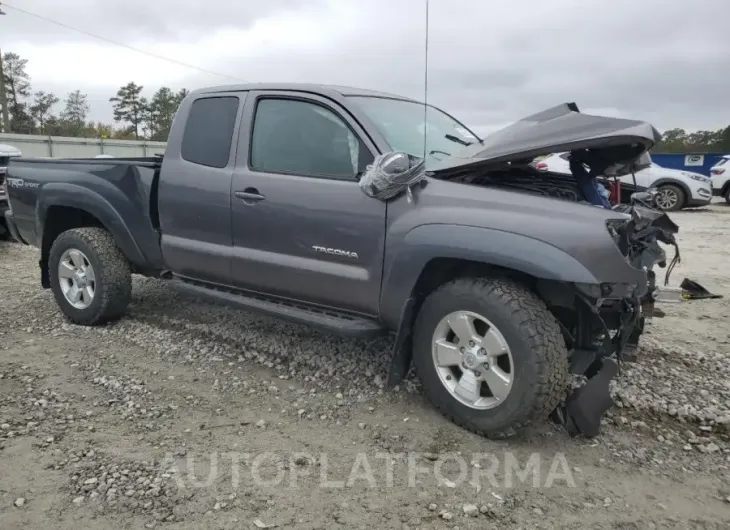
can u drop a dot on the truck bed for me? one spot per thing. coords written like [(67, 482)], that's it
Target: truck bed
[(120, 194)]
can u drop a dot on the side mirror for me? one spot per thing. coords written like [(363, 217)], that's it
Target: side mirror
[(396, 163), (392, 173)]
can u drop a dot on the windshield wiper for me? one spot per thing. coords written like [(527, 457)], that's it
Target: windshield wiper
[(436, 151), (457, 140)]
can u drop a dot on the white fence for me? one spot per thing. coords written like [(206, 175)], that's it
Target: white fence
[(32, 145)]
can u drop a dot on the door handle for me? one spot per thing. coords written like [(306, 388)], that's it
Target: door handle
[(249, 196)]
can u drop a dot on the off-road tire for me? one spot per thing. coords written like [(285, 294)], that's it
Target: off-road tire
[(541, 370), (111, 269), (681, 197)]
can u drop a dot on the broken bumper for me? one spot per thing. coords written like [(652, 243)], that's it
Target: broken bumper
[(583, 410)]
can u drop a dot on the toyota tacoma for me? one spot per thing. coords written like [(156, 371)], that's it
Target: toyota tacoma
[(497, 280)]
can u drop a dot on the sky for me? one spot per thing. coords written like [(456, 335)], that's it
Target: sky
[(490, 62)]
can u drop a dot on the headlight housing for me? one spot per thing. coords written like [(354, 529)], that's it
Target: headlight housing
[(698, 178)]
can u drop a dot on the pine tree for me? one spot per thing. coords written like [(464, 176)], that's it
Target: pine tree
[(129, 106)]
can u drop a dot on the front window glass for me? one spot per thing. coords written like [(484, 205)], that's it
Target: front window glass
[(302, 138), (402, 124)]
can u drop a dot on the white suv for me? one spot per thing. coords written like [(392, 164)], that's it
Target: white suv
[(721, 178), (677, 188)]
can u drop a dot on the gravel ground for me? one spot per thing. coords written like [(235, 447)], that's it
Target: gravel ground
[(186, 415)]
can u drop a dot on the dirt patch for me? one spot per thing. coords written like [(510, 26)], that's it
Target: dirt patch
[(192, 416)]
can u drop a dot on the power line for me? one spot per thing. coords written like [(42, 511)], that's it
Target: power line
[(150, 54)]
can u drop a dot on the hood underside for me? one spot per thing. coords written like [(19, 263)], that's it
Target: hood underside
[(614, 143)]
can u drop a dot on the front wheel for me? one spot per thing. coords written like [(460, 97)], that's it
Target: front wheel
[(90, 277), (490, 355), (670, 198)]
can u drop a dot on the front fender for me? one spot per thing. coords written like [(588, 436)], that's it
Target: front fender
[(483, 245), (74, 196)]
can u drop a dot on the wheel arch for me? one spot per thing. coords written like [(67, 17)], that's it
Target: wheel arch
[(682, 185), (539, 266), (431, 254), (67, 206)]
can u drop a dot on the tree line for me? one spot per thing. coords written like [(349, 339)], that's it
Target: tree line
[(38, 112), (681, 141), (136, 117)]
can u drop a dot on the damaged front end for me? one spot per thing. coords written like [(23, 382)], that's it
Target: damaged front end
[(608, 324)]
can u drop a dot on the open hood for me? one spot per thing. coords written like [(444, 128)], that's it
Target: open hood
[(614, 142)]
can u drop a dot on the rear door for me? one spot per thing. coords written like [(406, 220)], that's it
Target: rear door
[(195, 188), (302, 228)]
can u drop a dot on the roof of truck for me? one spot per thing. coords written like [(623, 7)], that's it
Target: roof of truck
[(301, 87)]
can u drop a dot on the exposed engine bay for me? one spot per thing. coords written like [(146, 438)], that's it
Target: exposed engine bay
[(598, 164)]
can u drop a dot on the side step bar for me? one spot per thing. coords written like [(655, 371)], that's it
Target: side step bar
[(342, 324)]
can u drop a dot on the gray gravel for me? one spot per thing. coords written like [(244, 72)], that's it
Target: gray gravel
[(103, 406)]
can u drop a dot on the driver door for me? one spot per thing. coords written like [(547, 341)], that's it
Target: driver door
[(302, 228)]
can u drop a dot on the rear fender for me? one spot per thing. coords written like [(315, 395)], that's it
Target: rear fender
[(73, 196)]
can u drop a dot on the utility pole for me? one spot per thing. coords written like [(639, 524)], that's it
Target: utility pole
[(5, 125), (3, 100)]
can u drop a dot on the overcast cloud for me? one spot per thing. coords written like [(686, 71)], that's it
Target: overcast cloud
[(490, 61)]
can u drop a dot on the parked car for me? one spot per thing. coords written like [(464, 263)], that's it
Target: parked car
[(721, 178), (6, 152), (677, 188), (494, 287)]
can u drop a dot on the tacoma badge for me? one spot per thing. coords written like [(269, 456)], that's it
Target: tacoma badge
[(336, 252)]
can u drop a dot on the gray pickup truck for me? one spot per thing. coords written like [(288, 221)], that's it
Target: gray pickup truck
[(497, 280)]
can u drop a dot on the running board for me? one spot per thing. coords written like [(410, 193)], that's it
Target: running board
[(342, 324)]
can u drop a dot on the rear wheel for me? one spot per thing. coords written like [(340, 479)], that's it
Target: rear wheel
[(90, 277), (671, 198), (490, 355), (727, 195)]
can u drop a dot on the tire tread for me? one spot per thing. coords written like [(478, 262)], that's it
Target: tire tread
[(539, 328), (115, 273)]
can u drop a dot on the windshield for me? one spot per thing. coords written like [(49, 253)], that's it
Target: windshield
[(401, 123)]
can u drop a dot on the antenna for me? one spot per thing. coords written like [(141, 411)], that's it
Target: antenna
[(425, 89)]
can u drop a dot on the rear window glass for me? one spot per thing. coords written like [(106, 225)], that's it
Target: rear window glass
[(209, 131), (722, 161)]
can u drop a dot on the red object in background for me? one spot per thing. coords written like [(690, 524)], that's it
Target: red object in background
[(615, 191)]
